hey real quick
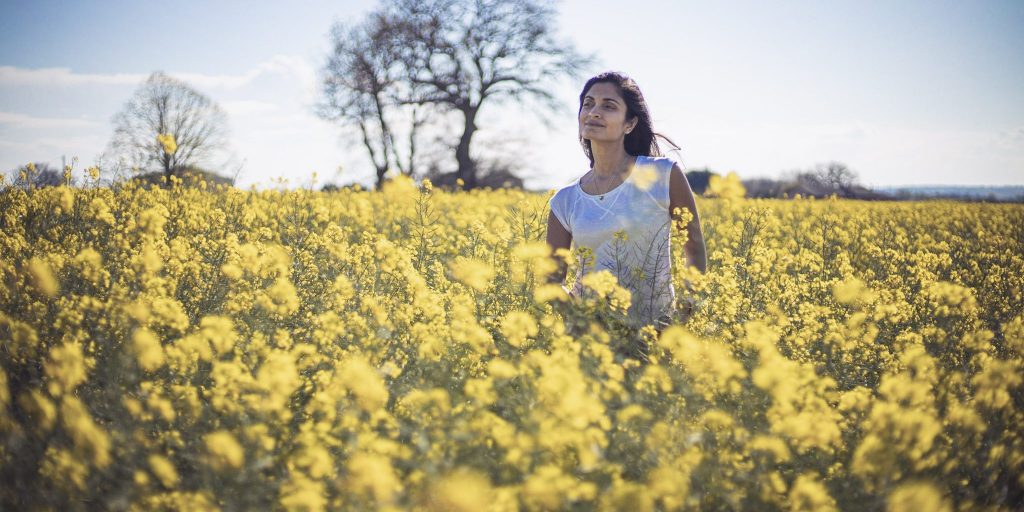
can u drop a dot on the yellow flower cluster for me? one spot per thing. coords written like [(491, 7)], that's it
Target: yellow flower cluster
[(167, 143), (402, 349)]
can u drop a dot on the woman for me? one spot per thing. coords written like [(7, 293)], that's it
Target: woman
[(623, 208)]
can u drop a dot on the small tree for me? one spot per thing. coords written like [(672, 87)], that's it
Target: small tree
[(165, 127), (40, 175), (837, 177), (699, 179), (763, 187)]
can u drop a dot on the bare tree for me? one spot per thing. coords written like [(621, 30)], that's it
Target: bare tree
[(837, 177), (163, 105), (823, 180), (454, 55), (461, 54), (363, 85)]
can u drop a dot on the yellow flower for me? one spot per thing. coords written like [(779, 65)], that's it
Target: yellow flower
[(713, 369), (472, 272), (42, 277), (481, 391), (280, 298), (66, 368), (278, 378), (152, 220), (100, 211), (728, 187), (148, 350), (550, 293), (39, 408), (851, 291), (372, 475), (809, 494), (364, 382), (167, 142), (164, 470), (62, 467), (219, 332), (303, 493), (224, 451), (65, 201), (606, 286), (517, 326), (90, 264), (915, 496), (549, 488), (501, 369), (462, 490), (88, 438)]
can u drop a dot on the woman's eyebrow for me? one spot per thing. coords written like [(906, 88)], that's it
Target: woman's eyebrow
[(613, 100)]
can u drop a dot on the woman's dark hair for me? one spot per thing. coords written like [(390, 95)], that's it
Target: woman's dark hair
[(642, 140)]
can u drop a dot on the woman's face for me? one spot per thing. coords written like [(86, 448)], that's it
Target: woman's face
[(603, 114)]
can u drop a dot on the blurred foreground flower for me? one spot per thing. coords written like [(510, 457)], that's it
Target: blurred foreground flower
[(727, 187), (167, 141)]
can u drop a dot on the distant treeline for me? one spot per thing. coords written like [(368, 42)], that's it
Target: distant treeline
[(836, 178), (823, 181)]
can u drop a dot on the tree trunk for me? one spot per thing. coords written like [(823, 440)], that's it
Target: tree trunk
[(381, 167), (416, 123), (467, 168), (168, 170)]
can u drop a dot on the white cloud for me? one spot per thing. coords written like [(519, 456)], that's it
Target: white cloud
[(16, 120), (13, 76), (288, 66), (1013, 138)]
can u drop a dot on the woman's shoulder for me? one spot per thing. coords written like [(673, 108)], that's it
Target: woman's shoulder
[(663, 163), (565, 191)]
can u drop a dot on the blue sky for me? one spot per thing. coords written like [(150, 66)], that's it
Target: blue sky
[(902, 92)]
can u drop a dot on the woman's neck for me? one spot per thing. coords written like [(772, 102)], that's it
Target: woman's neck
[(608, 157)]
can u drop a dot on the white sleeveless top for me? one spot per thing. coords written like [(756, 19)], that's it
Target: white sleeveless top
[(639, 207)]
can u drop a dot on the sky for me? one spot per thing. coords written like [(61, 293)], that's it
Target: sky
[(903, 93)]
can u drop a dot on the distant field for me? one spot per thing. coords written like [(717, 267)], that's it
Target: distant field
[(399, 349), (1008, 193)]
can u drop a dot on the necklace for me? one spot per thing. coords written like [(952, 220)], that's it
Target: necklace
[(618, 172)]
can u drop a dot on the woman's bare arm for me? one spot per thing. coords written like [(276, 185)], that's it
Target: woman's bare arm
[(680, 195), (558, 238)]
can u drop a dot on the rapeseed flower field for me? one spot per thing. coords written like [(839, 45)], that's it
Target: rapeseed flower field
[(402, 349)]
